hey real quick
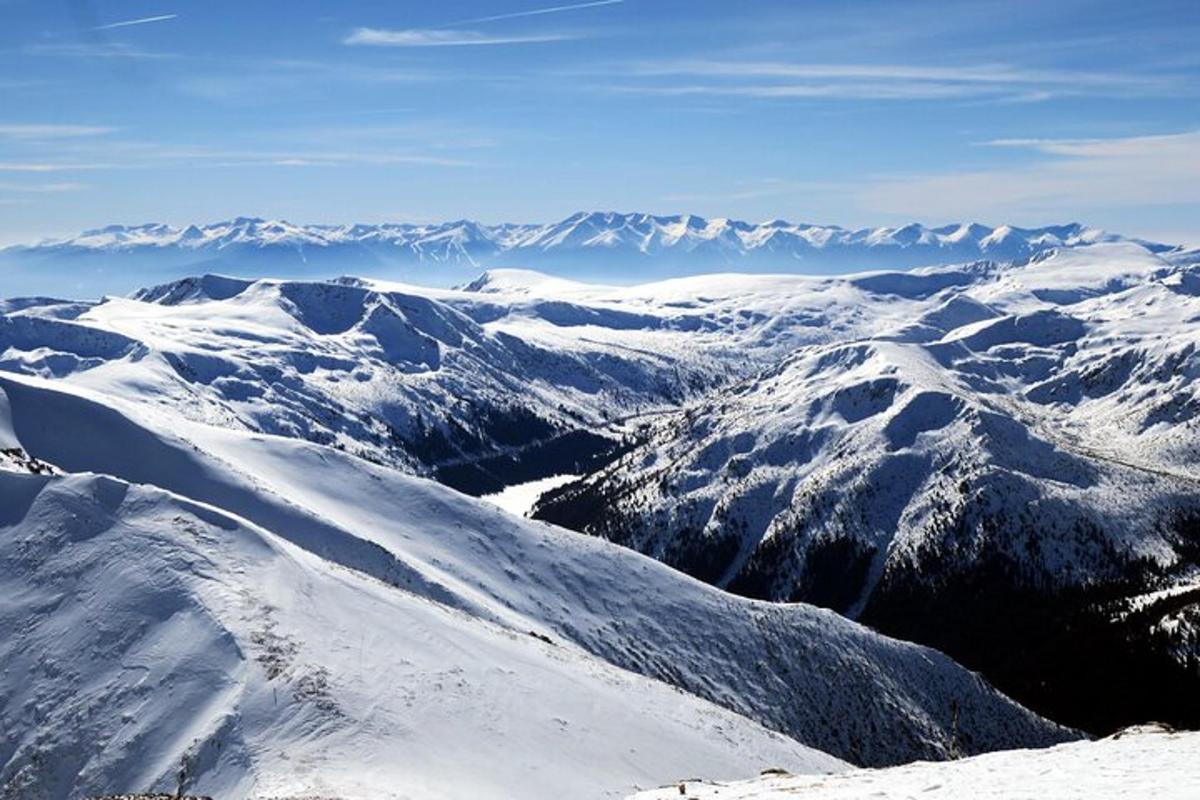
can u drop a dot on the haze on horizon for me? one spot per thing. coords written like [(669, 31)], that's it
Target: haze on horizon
[(1003, 112)]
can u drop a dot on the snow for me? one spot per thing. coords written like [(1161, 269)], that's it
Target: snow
[(334, 627), (1036, 420), (1138, 763), (8, 439), (178, 629), (233, 445), (617, 247), (519, 499)]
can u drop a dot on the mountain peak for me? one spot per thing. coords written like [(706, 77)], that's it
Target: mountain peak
[(609, 246)]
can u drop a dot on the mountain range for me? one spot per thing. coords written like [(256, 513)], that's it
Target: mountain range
[(608, 246), (241, 556)]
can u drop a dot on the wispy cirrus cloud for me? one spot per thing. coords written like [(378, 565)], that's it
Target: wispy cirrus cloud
[(342, 159), (379, 37), (971, 73), (135, 155), (131, 22), (537, 12), (1121, 172), (454, 35), (44, 167), (898, 81), (42, 188), (1184, 146), (35, 132), (253, 80), (847, 90), (102, 50)]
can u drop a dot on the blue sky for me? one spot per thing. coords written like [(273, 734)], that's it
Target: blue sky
[(526, 110)]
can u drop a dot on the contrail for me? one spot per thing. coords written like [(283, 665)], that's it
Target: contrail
[(142, 21), (538, 11)]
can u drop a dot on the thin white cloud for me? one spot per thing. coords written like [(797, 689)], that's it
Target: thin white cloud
[(879, 90), (537, 12), (109, 50), (1180, 145), (1083, 174), (42, 167), (990, 82), (129, 155), (51, 131), (42, 188), (336, 159), (256, 80), (972, 73), (378, 37), (131, 22)]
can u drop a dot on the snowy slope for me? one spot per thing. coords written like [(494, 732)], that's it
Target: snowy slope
[(620, 247), (1137, 763), (144, 634), (304, 601), (1003, 473)]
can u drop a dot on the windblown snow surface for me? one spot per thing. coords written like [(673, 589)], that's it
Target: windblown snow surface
[(1141, 763), (269, 618)]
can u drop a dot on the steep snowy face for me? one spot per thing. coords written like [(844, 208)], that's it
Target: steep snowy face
[(1011, 475), (274, 616), (622, 247), (150, 643)]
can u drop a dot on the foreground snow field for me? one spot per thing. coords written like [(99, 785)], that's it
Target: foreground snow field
[(279, 618), (1146, 763), (143, 633)]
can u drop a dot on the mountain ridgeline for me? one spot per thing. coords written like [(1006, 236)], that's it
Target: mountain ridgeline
[(594, 246)]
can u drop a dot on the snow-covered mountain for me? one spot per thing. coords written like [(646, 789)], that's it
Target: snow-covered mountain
[(1006, 466), (192, 607), (995, 458), (606, 246), (515, 378), (456, 385)]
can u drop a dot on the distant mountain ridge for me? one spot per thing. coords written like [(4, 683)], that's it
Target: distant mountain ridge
[(607, 245)]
